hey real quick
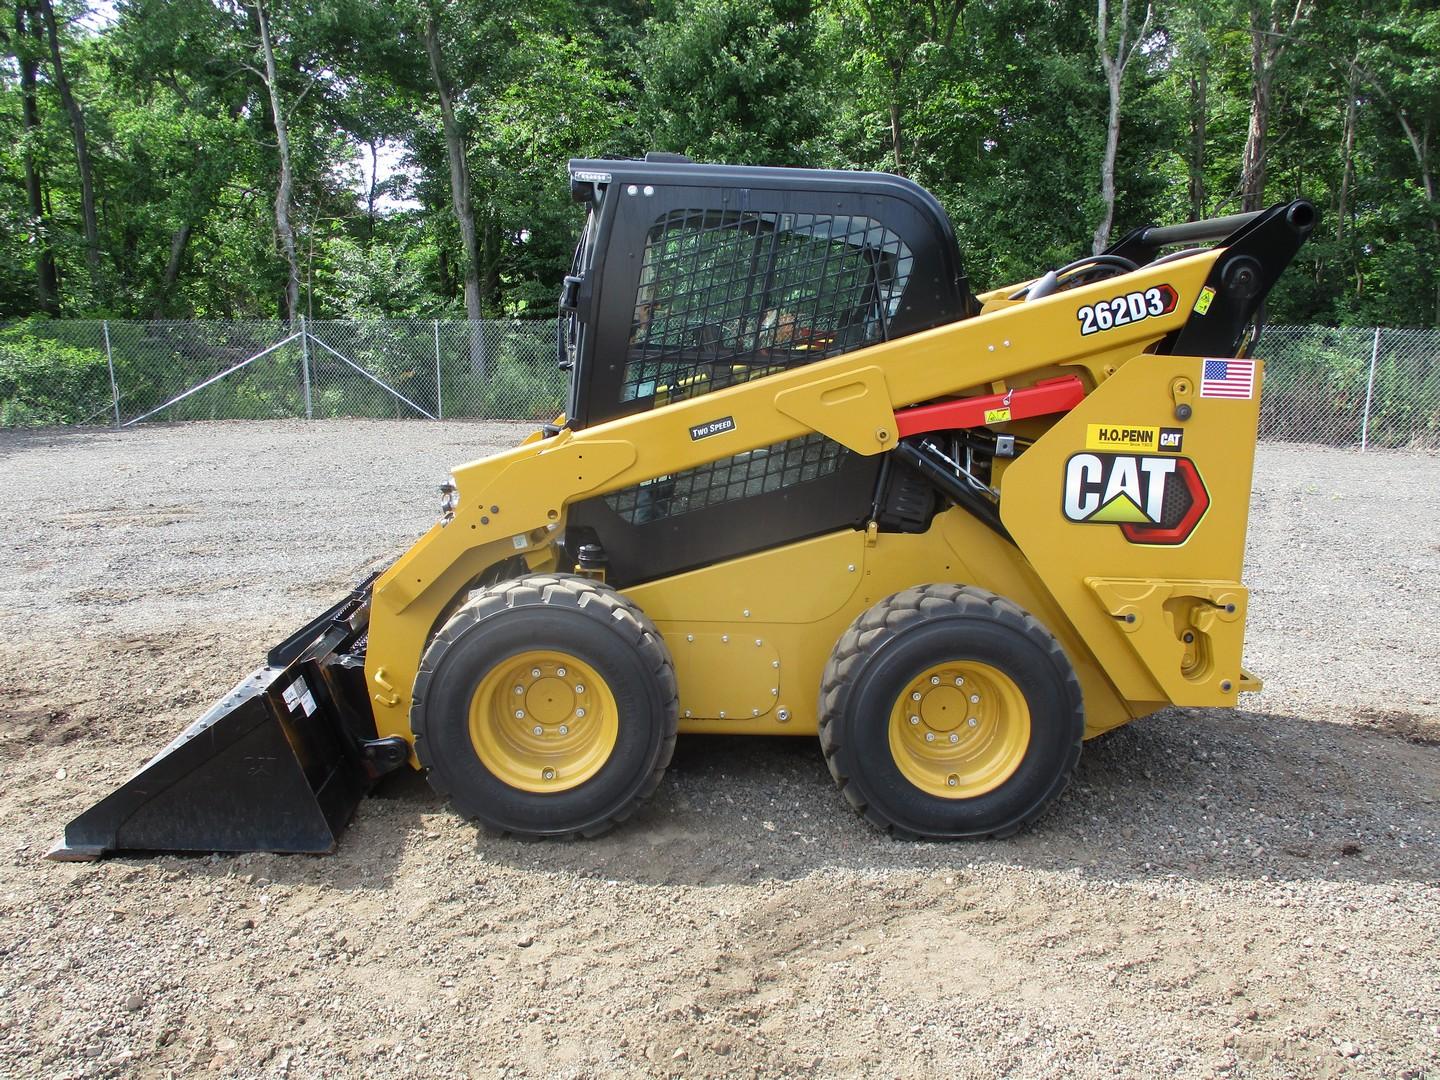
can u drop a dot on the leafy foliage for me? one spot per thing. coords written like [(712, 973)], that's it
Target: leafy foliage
[(45, 381), (997, 106)]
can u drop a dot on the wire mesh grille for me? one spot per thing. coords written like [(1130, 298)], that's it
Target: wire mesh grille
[(730, 296), (1346, 387), (743, 476)]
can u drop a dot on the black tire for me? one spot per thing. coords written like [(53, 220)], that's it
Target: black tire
[(905, 635), (582, 618)]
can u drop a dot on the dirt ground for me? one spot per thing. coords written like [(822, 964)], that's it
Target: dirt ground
[(1247, 894)]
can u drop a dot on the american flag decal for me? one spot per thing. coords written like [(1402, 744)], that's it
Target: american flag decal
[(1228, 379)]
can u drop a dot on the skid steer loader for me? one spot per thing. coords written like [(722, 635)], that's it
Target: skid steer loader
[(807, 483)]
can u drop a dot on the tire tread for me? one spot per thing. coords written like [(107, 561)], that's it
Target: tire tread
[(593, 599), (881, 623)]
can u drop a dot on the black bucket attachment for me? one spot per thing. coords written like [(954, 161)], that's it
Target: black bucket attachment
[(278, 764)]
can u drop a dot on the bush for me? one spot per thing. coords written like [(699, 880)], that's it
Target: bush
[(515, 390), (520, 381), (47, 381)]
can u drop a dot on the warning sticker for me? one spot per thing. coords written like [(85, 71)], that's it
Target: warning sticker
[(1204, 300), (997, 416), (298, 696)]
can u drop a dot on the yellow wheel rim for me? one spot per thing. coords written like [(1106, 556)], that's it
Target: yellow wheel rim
[(543, 721), (960, 729)]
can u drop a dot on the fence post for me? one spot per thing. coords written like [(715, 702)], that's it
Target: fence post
[(1369, 392), (439, 383), (110, 363), (305, 367)]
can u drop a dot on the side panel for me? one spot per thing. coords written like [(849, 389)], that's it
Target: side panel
[(771, 620), (1135, 519)]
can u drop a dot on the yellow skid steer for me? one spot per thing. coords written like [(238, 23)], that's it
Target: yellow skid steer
[(806, 483)]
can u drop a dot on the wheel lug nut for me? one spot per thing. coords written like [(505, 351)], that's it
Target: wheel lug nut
[(534, 672), (519, 689), (929, 736), (953, 780), (934, 680), (914, 720), (538, 730), (974, 699), (580, 714), (559, 672), (548, 774), (579, 689), (915, 696), (954, 738), (519, 714), (564, 729), (974, 721)]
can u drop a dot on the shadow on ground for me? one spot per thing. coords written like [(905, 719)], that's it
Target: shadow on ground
[(1190, 795)]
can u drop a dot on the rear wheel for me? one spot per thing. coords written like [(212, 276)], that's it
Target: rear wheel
[(546, 706), (949, 712)]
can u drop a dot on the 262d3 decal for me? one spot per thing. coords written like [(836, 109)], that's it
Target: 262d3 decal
[(1153, 499), (1130, 308)]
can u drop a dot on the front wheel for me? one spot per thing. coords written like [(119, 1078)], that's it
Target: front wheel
[(546, 706), (949, 712)]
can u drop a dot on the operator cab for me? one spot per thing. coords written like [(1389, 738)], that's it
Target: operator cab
[(689, 278)]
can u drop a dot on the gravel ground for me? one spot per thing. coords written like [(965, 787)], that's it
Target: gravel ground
[(1241, 894)]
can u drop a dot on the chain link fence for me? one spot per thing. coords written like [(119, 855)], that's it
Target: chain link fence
[(1362, 388), (121, 372), (1351, 386)]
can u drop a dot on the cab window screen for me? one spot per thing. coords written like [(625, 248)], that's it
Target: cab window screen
[(730, 296), (743, 476)]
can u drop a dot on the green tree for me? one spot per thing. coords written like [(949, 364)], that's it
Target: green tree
[(733, 81)]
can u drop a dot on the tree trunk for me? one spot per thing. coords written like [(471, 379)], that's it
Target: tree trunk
[(179, 241), (1114, 66), (370, 195), (1199, 117), (492, 250), (1268, 37), (1107, 164), (47, 285), (82, 146), (895, 127), (459, 191), (1420, 147), (1347, 153), (287, 180), (1252, 161)]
